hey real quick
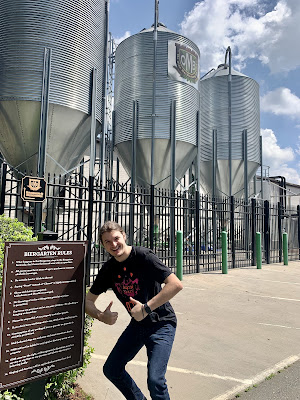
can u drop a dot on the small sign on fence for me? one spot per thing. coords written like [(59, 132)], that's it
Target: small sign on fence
[(33, 189), (42, 310)]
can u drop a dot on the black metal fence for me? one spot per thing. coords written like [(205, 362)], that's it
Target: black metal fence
[(76, 207)]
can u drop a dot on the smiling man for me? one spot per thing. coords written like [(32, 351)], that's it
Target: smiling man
[(136, 274)]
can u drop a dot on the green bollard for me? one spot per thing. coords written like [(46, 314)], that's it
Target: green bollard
[(179, 254), (224, 253), (285, 248), (258, 250)]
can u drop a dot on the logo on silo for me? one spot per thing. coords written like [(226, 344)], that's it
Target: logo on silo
[(183, 63), (186, 63)]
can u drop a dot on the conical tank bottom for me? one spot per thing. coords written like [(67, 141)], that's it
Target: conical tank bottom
[(185, 154), (222, 176), (68, 136)]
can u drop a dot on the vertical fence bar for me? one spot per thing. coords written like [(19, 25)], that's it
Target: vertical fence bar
[(298, 223), (151, 217), (267, 230), (253, 230), (3, 184), (179, 254)]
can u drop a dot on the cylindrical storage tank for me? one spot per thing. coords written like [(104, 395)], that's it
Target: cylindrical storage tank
[(215, 94), (176, 79), (76, 34)]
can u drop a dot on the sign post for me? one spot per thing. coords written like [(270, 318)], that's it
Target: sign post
[(42, 313)]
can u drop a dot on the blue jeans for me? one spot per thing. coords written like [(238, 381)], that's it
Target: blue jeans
[(158, 340)]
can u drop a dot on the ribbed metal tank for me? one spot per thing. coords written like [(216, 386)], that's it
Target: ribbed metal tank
[(245, 114), (134, 82), (75, 31)]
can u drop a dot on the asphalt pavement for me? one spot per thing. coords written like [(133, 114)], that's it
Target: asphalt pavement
[(282, 385), (235, 332)]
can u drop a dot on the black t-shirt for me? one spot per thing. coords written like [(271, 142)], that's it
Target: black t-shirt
[(140, 276)]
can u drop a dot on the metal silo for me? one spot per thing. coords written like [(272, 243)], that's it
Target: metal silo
[(176, 65), (230, 131), (74, 34)]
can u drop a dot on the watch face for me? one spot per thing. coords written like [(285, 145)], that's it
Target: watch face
[(147, 309)]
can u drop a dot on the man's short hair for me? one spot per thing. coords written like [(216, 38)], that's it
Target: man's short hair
[(109, 226)]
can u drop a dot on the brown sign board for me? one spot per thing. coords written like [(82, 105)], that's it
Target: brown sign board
[(33, 189), (42, 310)]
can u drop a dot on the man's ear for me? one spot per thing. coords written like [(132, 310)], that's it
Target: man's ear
[(124, 236)]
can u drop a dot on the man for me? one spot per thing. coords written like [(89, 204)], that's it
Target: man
[(135, 274)]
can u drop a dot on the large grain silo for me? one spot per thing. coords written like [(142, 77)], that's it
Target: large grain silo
[(230, 131), (175, 60), (72, 35)]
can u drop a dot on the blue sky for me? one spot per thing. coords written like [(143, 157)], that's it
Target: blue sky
[(264, 37)]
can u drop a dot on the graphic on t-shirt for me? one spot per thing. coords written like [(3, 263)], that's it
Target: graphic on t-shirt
[(127, 285), (129, 305)]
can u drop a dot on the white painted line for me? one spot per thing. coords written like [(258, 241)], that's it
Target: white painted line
[(268, 280), (278, 326), (192, 288), (258, 378), (184, 371), (273, 297)]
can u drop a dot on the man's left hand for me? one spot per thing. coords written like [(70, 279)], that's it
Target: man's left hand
[(137, 312)]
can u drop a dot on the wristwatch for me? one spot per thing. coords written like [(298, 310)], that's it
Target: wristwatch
[(147, 308)]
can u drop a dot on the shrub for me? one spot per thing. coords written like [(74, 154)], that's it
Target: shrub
[(61, 385)]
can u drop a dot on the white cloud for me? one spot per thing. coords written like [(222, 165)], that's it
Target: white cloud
[(258, 29), (120, 39), (281, 101), (278, 158)]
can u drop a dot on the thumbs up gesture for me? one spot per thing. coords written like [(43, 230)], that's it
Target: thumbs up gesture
[(109, 317), (137, 312)]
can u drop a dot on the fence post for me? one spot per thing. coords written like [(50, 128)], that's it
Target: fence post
[(90, 228), (253, 230), (224, 253), (298, 214), (197, 238), (152, 217), (3, 184), (267, 230), (232, 230), (280, 230), (258, 250), (285, 248), (36, 390), (179, 254)]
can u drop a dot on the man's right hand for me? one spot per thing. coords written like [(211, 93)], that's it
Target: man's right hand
[(107, 316)]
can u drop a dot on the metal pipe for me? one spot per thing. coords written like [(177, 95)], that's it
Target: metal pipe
[(93, 123), (245, 157), (104, 99), (214, 166), (154, 88), (173, 145), (44, 113), (43, 133), (198, 150), (261, 169), (173, 176), (228, 52), (133, 174)]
